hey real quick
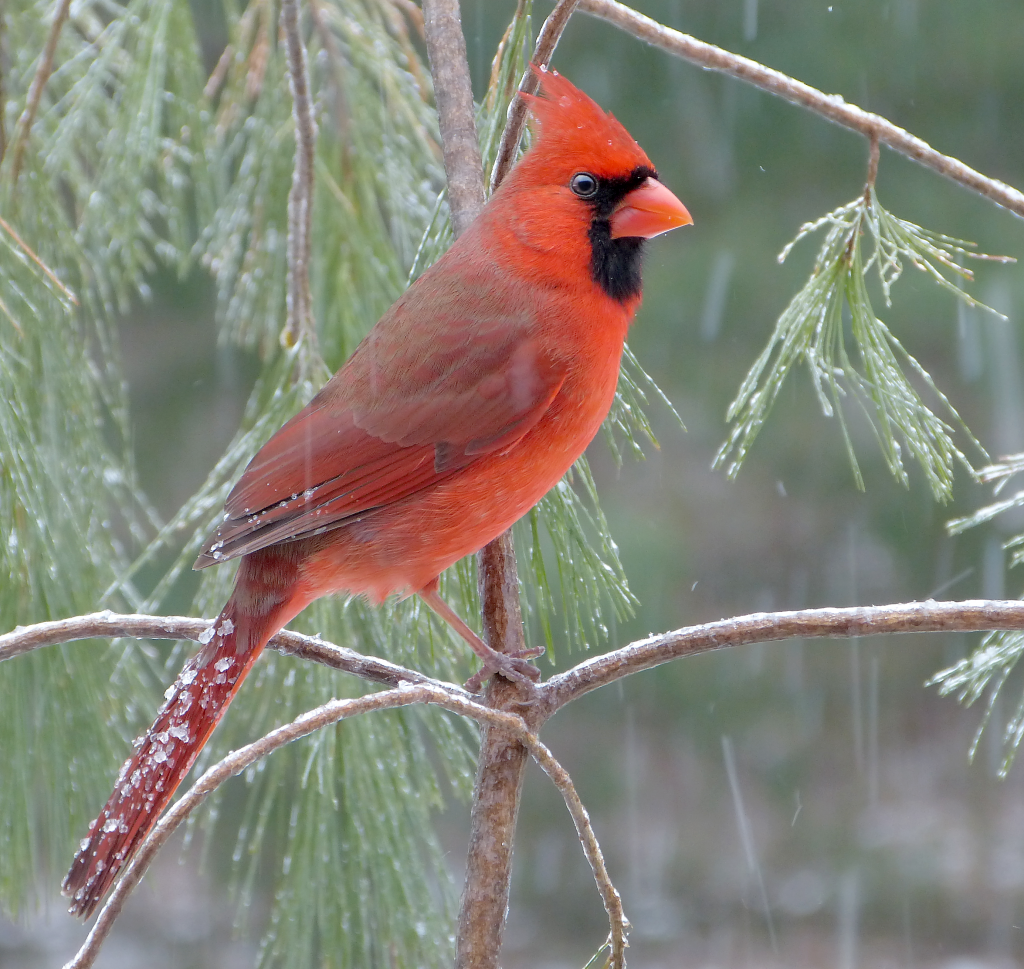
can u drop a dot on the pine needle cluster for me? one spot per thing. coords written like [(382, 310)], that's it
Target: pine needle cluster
[(851, 355)]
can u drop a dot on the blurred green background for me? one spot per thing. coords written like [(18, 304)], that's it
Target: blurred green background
[(798, 804)]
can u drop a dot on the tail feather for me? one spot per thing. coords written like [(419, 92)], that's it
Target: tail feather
[(194, 705)]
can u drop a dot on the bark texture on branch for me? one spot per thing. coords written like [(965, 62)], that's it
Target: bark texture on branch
[(453, 94), (300, 325), (971, 615)]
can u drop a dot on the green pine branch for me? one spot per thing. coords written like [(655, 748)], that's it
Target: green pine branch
[(851, 355)]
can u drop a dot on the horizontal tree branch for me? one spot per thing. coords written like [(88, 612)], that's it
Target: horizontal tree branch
[(968, 616), (111, 625), (972, 615), (831, 106)]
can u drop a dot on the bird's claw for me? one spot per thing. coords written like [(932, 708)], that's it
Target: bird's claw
[(513, 666)]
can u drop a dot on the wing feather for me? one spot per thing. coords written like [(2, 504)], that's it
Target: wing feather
[(437, 383)]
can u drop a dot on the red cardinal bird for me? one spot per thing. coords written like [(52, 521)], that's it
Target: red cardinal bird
[(467, 401)]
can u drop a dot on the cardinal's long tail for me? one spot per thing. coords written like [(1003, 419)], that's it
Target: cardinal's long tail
[(264, 599)]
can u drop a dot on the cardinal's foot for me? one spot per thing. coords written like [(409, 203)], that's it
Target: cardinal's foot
[(513, 666)]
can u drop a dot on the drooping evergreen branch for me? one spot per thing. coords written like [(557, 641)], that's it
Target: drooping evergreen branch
[(35, 91), (830, 106), (813, 329)]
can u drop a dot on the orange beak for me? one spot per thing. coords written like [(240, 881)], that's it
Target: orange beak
[(647, 211)]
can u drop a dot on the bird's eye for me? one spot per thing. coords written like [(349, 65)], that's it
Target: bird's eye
[(584, 185)]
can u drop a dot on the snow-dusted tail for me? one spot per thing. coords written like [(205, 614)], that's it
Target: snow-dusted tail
[(262, 602)]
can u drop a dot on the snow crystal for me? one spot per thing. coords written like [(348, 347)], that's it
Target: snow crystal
[(187, 677), (226, 627), (207, 634)]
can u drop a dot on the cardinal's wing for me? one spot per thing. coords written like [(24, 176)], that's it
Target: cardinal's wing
[(454, 371)]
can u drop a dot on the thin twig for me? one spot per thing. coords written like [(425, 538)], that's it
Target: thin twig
[(414, 14), (216, 79), (300, 325), (618, 923), (48, 272), (399, 25), (831, 106), (35, 91), (547, 41), (872, 164)]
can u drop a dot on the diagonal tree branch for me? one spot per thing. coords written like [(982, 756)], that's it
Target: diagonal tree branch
[(619, 924), (234, 763), (547, 41), (47, 271), (831, 106)]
